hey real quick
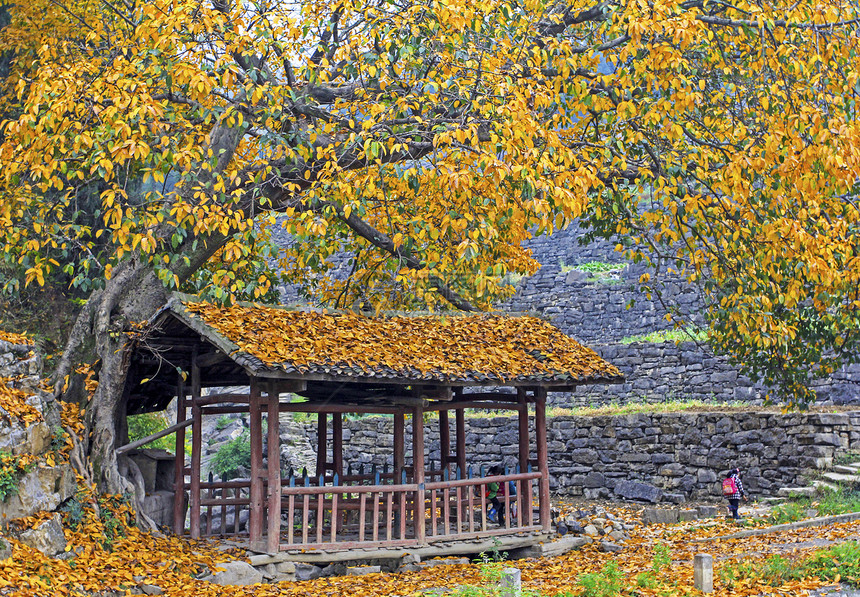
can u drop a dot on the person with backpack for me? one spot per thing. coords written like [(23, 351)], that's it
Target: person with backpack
[(495, 493), (733, 490)]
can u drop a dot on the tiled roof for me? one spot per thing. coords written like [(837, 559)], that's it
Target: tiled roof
[(479, 349)]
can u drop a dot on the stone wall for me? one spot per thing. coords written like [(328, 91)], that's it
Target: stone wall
[(667, 456), (601, 311)]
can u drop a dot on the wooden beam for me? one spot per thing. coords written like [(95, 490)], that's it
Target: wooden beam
[(418, 473), (149, 438), (179, 462), (273, 536), (196, 448), (222, 398), (255, 522), (212, 358), (488, 405)]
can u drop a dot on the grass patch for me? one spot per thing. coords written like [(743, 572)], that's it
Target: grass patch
[(631, 408), (840, 563), (676, 335), (826, 503)]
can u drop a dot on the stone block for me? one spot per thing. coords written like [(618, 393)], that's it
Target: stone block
[(362, 570), (703, 572), (235, 573), (643, 492), (660, 516)]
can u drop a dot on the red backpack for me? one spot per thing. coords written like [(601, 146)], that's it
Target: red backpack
[(730, 488)]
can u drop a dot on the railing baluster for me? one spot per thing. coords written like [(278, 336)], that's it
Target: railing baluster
[(471, 501), (306, 502), (483, 491), (210, 494), (377, 497), (320, 506), (389, 498), (446, 503), (459, 497), (362, 502), (291, 517), (335, 519)]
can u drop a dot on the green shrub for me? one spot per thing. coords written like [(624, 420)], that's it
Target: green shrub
[(223, 422), (606, 583), (143, 425), (789, 511), (12, 468), (233, 457)]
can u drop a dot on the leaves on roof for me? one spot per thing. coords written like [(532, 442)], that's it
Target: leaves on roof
[(470, 347)]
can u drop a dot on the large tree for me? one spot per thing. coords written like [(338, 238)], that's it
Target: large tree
[(157, 141)]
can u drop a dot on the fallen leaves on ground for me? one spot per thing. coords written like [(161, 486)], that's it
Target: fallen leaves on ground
[(112, 553)]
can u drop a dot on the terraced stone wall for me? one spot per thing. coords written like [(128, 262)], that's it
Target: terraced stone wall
[(603, 310), (654, 457)]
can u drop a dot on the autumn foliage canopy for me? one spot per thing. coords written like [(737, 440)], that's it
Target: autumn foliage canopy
[(429, 138)]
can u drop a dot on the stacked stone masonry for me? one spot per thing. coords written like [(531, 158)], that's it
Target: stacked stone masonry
[(603, 310), (657, 457)]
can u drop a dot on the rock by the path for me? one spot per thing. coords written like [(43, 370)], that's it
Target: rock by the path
[(609, 547), (48, 537), (235, 573), (362, 570), (308, 571), (642, 492)]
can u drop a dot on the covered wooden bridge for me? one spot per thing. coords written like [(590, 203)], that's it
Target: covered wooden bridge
[(332, 363)]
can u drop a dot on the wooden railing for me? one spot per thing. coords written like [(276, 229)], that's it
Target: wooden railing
[(459, 507), (366, 510)]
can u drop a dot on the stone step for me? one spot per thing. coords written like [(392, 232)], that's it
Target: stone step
[(842, 478), (824, 485), (847, 469), (796, 491)]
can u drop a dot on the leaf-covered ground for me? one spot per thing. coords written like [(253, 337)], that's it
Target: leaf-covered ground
[(111, 554)]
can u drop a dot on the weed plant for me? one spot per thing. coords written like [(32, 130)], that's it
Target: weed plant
[(606, 583)]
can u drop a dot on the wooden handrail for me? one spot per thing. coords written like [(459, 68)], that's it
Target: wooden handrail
[(482, 480), (317, 490), (153, 437)]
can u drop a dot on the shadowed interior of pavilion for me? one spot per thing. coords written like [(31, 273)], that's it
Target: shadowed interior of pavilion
[(334, 363)]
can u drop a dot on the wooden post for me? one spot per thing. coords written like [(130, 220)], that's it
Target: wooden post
[(418, 466), (337, 443), (399, 445), (523, 499), (273, 536), (179, 473), (255, 521), (444, 439), (196, 445), (460, 415), (540, 440), (322, 442), (523, 420)]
